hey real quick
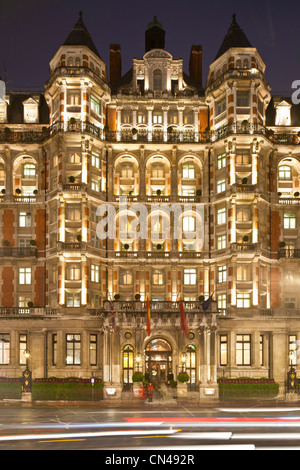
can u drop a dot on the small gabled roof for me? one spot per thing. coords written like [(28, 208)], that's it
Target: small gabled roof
[(235, 37), (79, 36)]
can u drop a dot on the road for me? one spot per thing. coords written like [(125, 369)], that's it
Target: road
[(156, 429)]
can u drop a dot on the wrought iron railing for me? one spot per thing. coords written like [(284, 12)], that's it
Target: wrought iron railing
[(18, 252)]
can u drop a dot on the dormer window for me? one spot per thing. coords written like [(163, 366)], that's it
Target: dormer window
[(31, 110), (283, 114)]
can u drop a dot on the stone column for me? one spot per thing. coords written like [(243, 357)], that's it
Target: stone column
[(279, 360)]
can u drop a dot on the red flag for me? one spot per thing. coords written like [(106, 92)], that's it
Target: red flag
[(148, 317), (184, 323)]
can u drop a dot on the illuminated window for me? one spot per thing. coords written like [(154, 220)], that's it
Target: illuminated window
[(221, 161), (220, 106), (158, 277), (285, 173), (73, 299), (127, 364), (293, 350), (74, 157), (4, 349), (221, 216), (243, 273), (25, 219), (95, 184), (223, 350), (74, 97), (95, 273), (189, 277), (221, 242), (157, 170), (22, 348), (222, 274), (29, 171), (243, 350), (243, 300), (95, 160), (289, 221), (127, 170), (188, 171), (95, 104), (221, 186), (73, 349), (188, 224), (93, 350), (190, 365), (126, 277), (221, 300), (24, 276)]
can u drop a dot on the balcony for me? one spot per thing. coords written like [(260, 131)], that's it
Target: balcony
[(72, 246), (289, 253), (150, 136), (26, 311), (18, 252), (157, 306)]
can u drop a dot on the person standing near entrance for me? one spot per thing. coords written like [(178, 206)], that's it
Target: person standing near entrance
[(150, 391)]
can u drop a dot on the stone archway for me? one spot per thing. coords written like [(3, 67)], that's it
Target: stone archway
[(158, 357)]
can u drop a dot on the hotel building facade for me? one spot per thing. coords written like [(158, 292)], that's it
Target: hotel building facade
[(117, 188)]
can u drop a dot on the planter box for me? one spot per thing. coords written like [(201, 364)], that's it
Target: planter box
[(181, 390)]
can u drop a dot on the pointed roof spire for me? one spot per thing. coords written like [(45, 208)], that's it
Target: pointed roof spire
[(79, 36), (235, 37)]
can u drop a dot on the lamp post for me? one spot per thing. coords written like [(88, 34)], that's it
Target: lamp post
[(138, 359), (292, 378), (27, 374)]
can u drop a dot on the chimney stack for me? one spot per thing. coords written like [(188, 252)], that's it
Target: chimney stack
[(195, 65), (115, 63)]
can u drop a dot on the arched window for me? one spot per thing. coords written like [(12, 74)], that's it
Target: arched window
[(157, 80), (127, 364), (190, 365), (285, 173), (77, 61), (29, 171), (239, 64)]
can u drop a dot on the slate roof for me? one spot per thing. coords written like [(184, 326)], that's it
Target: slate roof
[(235, 37), (79, 36)]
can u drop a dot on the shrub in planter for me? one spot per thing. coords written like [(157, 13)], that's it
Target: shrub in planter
[(183, 377), (138, 377), (117, 297), (172, 384)]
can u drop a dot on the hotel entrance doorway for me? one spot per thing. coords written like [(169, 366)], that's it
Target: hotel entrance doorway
[(158, 360)]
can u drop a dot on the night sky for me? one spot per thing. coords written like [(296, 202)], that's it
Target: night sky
[(31, 32)]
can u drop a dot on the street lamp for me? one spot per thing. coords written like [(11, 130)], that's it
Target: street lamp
[(138, 359), (292, 378), (27, 373)]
